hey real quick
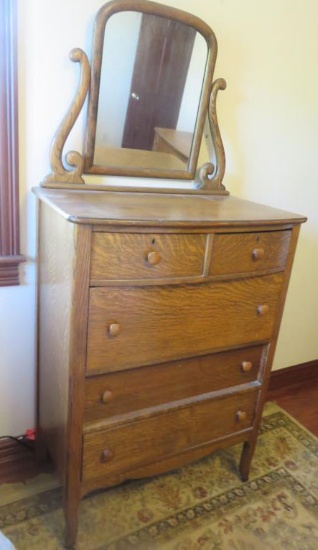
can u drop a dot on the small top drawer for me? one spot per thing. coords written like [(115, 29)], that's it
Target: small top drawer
[(145, 256), (249, 252)]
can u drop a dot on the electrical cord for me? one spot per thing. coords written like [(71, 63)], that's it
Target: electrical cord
[(21, 439)]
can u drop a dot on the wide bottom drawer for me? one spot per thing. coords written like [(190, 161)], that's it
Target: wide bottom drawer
[(133, 445)]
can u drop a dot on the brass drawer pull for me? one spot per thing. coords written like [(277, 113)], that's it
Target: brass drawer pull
[(106, 455), (258, 254), (246, 366), (106, 397), (241, 415), (153, 257), (262, 309), (114, 329)]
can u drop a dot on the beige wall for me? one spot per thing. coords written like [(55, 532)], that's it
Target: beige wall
[(269, 120)]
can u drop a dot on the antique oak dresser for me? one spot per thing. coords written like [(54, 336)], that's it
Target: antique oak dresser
[(159, 310), (159, 316)]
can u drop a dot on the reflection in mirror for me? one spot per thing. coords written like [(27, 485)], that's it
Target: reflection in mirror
[(151, 79)]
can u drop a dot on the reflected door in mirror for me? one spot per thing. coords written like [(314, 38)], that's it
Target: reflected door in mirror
[(160, 71)]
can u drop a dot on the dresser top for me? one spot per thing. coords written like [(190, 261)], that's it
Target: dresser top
[(148, 209)]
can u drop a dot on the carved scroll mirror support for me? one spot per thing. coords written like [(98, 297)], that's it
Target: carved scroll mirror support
[(60, 172)]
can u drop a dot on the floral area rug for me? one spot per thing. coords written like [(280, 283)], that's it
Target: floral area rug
[(201, 506)]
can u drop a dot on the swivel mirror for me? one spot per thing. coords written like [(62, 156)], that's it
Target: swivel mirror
[(149, 85)]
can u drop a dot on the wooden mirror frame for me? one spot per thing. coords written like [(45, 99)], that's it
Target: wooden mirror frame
[(208, 178)]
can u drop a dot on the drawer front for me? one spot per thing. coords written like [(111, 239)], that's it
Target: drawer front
[(132, 445), (138, 326), (250, 252), (146, 256), (127, 391)]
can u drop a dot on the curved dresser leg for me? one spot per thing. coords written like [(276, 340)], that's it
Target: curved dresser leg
[(71, 522), (246, 459)]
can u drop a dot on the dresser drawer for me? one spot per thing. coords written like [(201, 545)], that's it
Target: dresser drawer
[(146, 256), (127, 391), (249, 252), (130, 327), (129, 446)]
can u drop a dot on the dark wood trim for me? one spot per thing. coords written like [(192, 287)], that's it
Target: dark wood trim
[(18, 461), (295, 375), (10, 257), (10, 450)]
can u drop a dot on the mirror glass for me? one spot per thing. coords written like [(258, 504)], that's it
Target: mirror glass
[(151, 77)]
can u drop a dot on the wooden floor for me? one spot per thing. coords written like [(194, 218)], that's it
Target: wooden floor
[(300, 401), (17, 463)]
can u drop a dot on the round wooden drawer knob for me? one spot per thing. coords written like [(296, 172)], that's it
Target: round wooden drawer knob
[(106, 455), (262, 309), (247, 366), (106, 396), (258, 254), (114, 329), (241, 415), (153, 257)]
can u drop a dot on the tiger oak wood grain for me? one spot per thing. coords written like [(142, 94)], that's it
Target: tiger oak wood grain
[(167, 463), (126, 256), (55, 276), (163, 210), (237, 253), (148, 440), (170, 322), (122, 392)]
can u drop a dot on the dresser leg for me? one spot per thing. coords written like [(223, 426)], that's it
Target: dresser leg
[(246, 459), (71, 521)]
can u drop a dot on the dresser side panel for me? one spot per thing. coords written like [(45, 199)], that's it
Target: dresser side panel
[(55, 273)]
